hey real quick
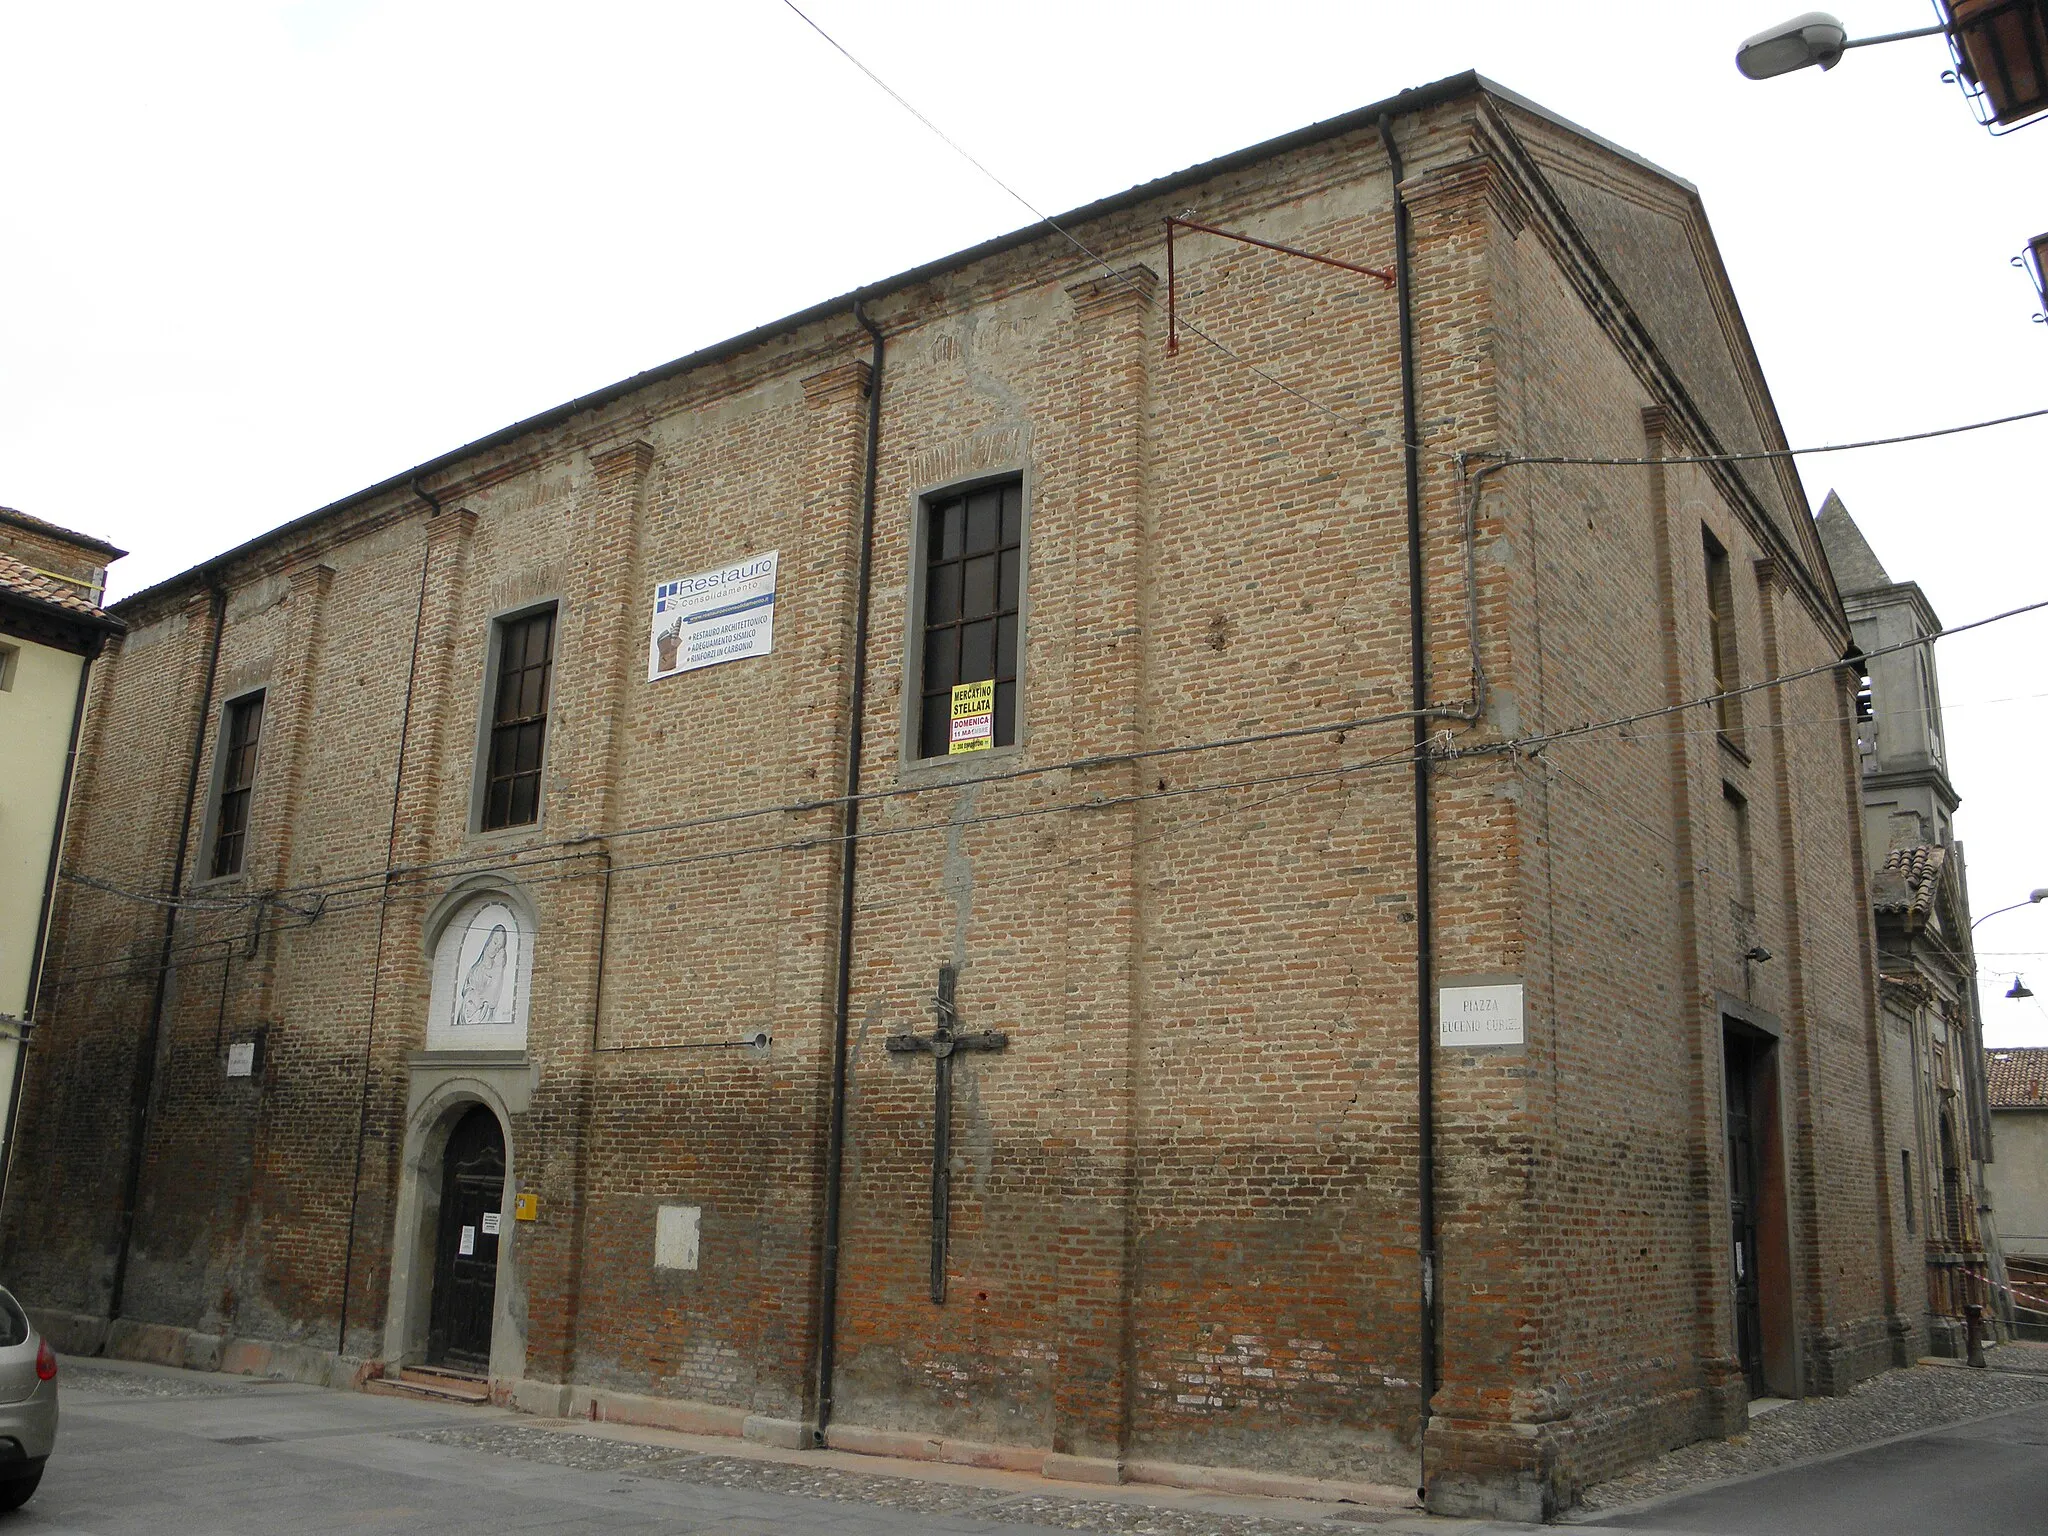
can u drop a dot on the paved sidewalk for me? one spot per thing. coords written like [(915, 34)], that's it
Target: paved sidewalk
[(1984, 1478), (146, 1451)]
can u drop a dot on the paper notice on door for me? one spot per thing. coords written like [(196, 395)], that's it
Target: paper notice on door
[(491, 1223), (468, 1244)]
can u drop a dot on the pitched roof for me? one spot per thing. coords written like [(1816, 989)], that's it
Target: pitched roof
[(54, 531), (1909, 879), (2016, 1077), (22, 582), (1855, 563)]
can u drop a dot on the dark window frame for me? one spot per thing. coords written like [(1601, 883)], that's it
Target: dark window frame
[(238, 753), (967, 618), (1723, 653), (509, 794)]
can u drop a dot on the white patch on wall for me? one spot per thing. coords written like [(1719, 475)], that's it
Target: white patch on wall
[(483, 973), (675, 1236), (242, 1058)]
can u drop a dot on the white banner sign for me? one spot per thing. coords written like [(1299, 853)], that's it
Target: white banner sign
[(715, 616), (1480, 1016)]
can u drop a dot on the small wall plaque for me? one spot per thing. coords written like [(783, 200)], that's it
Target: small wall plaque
[(242, 1058), (1480, 1016)]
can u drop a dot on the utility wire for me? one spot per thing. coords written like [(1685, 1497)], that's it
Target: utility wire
[(1523, 746), (1545, 738), (1350, 426), (1526, 745), (1511, 461)]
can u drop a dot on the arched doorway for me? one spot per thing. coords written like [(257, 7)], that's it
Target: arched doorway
[(466, 1243)]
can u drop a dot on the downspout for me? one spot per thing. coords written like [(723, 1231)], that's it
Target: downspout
[(849, 848), (145, 1069), (1425, 918), (35, 964)]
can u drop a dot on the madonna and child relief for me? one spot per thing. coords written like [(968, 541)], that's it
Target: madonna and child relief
[(483, 965)]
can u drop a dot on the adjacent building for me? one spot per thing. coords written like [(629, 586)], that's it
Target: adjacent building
[(2017, 1178), (1927, 967), (951, 876), (51, 627)]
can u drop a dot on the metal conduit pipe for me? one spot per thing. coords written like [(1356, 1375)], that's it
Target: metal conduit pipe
[(849, 850), (1425, 917), (145, 1068)]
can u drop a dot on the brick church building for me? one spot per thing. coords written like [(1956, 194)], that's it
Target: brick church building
[(948, 876)]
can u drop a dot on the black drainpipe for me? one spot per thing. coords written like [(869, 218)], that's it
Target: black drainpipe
[(29, 998), (145, 1069), (1425, 916), (849, 847)]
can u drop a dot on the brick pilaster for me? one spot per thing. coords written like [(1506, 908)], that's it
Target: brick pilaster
[(287, 725), (1699, 1015), (440, 627), (1113, 318), (594, 651)]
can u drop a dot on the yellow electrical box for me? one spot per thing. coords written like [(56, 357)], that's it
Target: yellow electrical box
[(526, 1207)]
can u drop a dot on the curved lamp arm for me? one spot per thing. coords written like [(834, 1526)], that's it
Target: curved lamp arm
[(2032, 897)]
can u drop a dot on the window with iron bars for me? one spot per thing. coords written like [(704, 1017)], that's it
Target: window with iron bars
[(973, 584)]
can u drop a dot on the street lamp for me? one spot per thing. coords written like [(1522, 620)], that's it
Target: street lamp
[(2032, 897), (1806, 40), (2019, 989), (2000, 48)]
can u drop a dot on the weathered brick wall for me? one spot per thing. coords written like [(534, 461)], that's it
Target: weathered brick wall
[(1185, 1213)]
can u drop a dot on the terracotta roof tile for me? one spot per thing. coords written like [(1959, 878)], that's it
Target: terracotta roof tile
[(22, 580), (1909, 879), (2016, 1077)]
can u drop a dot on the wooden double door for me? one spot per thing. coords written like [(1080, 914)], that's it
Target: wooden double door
[(466, 1244)]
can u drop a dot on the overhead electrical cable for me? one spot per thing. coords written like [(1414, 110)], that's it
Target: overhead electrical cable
[(1349, 425)]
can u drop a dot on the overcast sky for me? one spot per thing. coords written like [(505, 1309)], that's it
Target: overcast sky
[(257, 256)]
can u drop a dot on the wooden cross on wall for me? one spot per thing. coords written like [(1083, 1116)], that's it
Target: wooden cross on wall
[(940, 1044)]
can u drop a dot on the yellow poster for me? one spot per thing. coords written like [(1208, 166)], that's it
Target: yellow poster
[(974, 717)]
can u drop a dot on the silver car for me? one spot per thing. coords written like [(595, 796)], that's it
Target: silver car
[(28, 1404)]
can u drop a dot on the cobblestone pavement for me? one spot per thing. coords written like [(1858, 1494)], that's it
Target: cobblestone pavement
[(1003, 1506), (1883, 1408), (115, 1382), (2020, 1356), (144, 1450)]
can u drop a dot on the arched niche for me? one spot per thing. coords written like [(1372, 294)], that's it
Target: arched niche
[(480, 943)]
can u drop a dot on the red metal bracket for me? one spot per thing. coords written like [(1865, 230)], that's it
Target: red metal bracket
[(1385, 276)]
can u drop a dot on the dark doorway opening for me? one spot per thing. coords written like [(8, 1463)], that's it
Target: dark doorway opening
[(1744, 1190), (466, 1244), (1759, 1211)]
